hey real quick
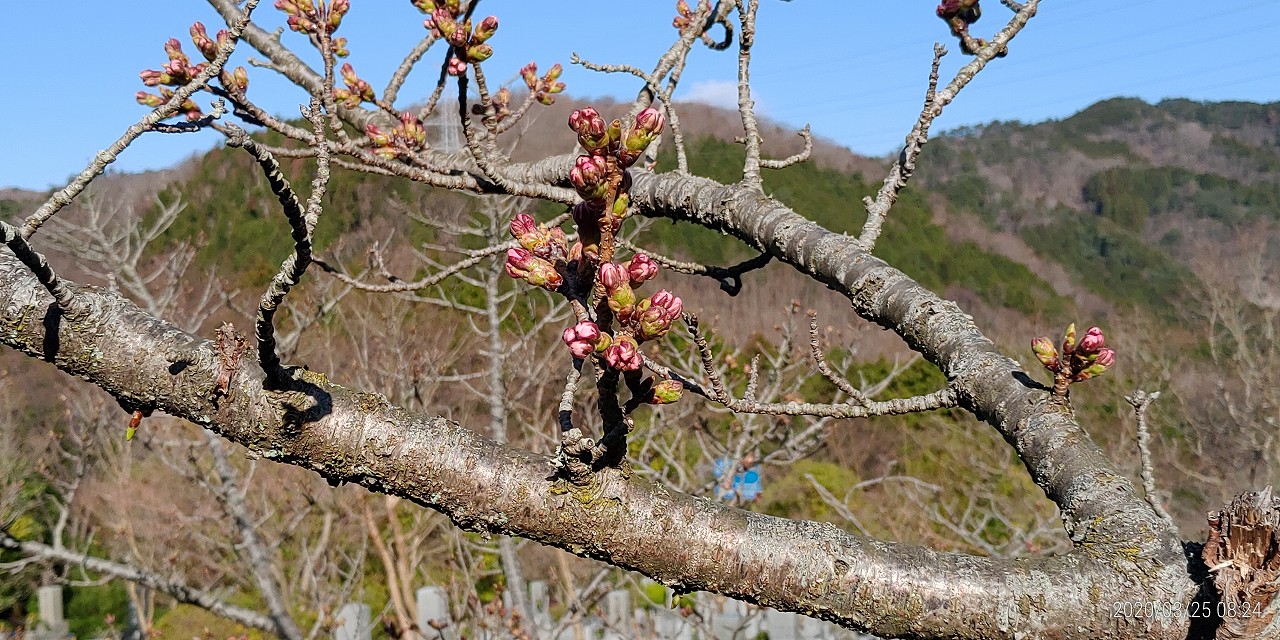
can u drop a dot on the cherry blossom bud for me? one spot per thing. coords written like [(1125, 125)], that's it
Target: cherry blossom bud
[(443, 24), (523, 265), (613, 276), (666, 392), (479, 53), (543, 242), (1104, 360), (339, 46), (641, 268), (239, 80), (665, 299), (624, 354), (529, 73), (456, 66), (553, 73), (149, 99), (1092, 341), (1069, 340), (411, 128), (485, 30), (173, 49), (591, 129), (588, 177), (200, 38), (376, 136), (1045, 352), (648, 126), (582, 338), (151, 77)]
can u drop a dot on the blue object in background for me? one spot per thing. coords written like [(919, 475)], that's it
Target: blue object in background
[(745, 485)]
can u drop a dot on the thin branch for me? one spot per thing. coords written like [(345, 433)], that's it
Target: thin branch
[(65, 195), (730, 278), (169, 586), (940, 399), (1141, 400), (797, 158), (935, 101)]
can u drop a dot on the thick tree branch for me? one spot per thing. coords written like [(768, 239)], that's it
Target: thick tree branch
[(688, 543)]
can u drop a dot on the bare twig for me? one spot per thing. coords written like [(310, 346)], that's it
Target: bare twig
[(935, 101), (65, 195), (1141, 400)]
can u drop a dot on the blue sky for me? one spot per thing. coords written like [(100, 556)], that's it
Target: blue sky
[(853, 69)]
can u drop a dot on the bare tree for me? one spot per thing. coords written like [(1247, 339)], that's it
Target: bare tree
[(1126, 575)]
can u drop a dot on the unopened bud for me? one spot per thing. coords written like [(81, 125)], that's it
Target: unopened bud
[(666, 392), (624, 354), (1045, 353), (641, 268)]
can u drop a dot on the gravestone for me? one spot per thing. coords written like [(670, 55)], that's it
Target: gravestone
[(353, 622)]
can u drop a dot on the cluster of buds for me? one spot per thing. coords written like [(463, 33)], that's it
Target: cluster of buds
[(468, 44), (314, 16), (541, 255), (543, 89), (1088, 358), (358, 89), (685, 15), (639, 320), (501, 104), (179, 71), (404, 139), (600, 176)]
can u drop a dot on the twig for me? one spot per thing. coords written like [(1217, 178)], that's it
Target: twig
[(793, 159), (1140, 400), (65, 195), (941, 399), (730, 278), (935, 101)]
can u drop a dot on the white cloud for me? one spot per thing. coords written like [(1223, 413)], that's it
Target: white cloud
[(717, 93)]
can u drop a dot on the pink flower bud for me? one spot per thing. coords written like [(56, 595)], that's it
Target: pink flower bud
[(671, 303), (485, 30), (553, 73), (1092, 341), (641, 268), (173, 49), (613, 276), (456, 66), (624, 354), (1104, 360), (666, 392), (650, 121), (523, 265), (149, 99), (593, 133), (200, 38), (588, 177), (151, 77), (529, 73), (582, 338), (521, 226)]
